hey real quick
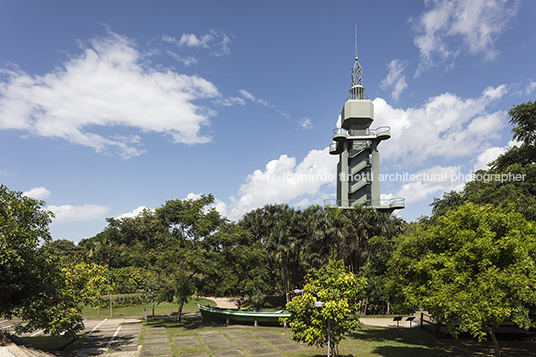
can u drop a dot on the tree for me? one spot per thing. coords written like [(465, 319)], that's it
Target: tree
[(57, 307), (511, 178), (34, 285), (471, 268), (23, 228), (340, 290), (186, 258)]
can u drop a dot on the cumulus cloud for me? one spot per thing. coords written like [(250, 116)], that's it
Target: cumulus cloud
[(68, 213), (450, 25), (431, 181), (446, 126), (39, 193), (109, 85), (395, 79), (136, 212), (284, 180), (491, 154)]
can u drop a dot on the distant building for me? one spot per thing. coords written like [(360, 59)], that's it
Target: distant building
[(358, 170)]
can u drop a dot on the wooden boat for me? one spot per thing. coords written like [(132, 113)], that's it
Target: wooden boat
[(240, 316)]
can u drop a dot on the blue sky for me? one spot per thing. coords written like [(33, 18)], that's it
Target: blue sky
[(110, 106)]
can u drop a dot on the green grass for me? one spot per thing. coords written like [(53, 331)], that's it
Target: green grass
[(370, 341), (138, 310)]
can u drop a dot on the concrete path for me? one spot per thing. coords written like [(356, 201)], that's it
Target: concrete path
[(235, 342), (388, 322)]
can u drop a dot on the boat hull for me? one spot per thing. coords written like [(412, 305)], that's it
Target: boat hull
[(239, 316)]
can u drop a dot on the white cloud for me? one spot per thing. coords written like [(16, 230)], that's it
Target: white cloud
[(109, 85), (395, 78), (491, 154), (305, 123), (215, 41), (39, 193), (68, 213), (431, 181), (187, 61), (227, 102), (219, 205), (135, 212), (449, 26), (445, 126), (254, 99), (251, 97), (283, 180)]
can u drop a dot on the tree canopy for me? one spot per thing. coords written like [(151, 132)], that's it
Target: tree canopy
[(35, 285), (339, 290), (470, 268)]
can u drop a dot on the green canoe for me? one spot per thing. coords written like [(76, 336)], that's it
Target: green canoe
[(263, 317)]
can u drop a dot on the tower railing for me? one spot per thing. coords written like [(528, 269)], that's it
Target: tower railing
[(364, 132), (388, 202)]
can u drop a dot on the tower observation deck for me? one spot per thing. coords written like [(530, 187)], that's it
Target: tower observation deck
[(358, 170)]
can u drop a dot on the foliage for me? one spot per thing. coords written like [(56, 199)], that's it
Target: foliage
[(186, 260), (299, 242), (23, 228), (339, 289), (510, 179), (472, 267), (129, 279)]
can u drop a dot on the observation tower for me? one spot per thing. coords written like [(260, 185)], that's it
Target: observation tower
[(358, 170)]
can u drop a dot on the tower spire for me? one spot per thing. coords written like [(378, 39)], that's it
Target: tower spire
[(357, 75), (357, 78)]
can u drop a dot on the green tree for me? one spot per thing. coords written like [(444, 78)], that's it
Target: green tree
[(340, 290), (471, 268), (23, 229), (186, 259), (510, 179), (34, 284)]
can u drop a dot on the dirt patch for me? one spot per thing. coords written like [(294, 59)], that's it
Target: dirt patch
[(226, 303)]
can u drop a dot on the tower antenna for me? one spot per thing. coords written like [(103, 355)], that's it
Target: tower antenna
[(355, 41)]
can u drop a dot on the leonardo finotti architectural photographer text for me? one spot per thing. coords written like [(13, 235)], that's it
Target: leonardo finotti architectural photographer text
[(408, 177)]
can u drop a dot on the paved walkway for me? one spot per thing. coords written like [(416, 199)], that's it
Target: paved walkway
[(388, 322), (235, 342)]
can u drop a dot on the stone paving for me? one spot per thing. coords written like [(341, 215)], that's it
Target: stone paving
[(235, 342), (111, 337), (120, 338)]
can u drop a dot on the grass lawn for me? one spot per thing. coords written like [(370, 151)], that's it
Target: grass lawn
[(371, 341), (138, 310), (404, 342)]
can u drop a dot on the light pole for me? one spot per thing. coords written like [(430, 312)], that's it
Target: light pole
[(298, 291), (321, 305)]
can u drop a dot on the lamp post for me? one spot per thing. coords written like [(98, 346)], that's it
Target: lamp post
[(298, 291), (321, 305)]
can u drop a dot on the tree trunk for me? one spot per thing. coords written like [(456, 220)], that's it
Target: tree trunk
[(490, 333), (181, 303)]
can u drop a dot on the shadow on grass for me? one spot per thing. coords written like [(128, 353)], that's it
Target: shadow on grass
[(404, 342), (187, 323)]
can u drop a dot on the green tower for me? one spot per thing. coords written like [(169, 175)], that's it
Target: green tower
[(358, 170)]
